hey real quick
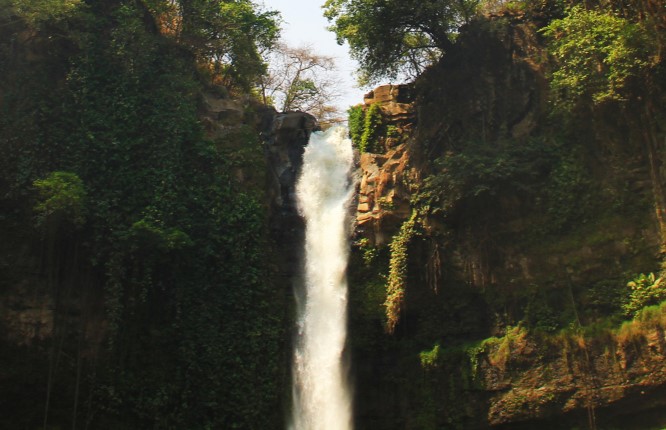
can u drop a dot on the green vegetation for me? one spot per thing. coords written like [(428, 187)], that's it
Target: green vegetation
[(645, 321), (430, 358), (396, 36), (481, 170), (532, 208), (369, 252), (41, 12), (226, 36), (597, 54), (397, 277), (497, 350), (536, 191), (355, 119), (367, 128), (372, 125), (165, 315), (646, 290), (63, 195)]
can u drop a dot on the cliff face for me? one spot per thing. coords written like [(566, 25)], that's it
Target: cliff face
[(285, 143), (67, 332), (528, 228), (385, 188), (507, 234), (149, 237), (610, 380)]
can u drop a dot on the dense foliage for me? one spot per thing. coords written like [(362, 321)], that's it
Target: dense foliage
[(367, 128), (597, 54), (396, 36), (231, 33), (397, 275), (646, 290), (355, 116), (165, 316), (536, 179), (62, 195)]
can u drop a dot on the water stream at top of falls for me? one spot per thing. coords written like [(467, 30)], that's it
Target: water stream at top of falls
[(321, 391)]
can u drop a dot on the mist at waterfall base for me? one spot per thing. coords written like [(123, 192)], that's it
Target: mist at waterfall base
[(321, 391)]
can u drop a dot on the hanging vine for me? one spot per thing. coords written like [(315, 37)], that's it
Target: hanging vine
[(397, 279)]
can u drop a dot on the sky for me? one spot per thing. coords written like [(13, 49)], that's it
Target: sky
[(304, 24)]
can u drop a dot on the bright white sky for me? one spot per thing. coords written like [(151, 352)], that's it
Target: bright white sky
[(304, 24)]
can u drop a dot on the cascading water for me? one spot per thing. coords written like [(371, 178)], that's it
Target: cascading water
[(322, 399)]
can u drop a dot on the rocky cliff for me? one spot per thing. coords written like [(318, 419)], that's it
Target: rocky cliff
[(517, 233), (506, 264), (385, 190), (67, 332)]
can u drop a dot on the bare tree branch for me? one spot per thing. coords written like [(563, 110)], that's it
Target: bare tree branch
[(300, 79)]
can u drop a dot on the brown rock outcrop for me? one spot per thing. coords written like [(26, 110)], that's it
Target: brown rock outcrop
[(396, 102), (530, 382), (384, 188)]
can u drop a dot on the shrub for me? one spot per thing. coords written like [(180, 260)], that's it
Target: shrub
[(596, 54), (366, 127), (646, 290), (356, 117), (62, 195), (372, 125)]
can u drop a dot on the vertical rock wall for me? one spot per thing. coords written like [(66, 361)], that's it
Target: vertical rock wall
[(285, 143), (387, 178), (488, 268)]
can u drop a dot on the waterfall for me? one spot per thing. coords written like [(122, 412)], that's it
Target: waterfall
[(322, 399)]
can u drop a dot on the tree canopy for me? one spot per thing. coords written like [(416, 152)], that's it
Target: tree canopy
[(230, 33), (300, 79), (390, 37), (226, 36), (36, 12), (596, 54)]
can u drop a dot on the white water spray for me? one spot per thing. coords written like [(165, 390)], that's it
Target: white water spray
[(322, 399)]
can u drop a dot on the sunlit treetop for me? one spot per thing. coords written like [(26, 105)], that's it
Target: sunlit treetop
[(597, 54), (393, 37)]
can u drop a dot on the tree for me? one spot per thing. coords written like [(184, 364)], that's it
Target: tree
[(596, 55), (300, 79), (389, 37), (37, 12), (230, 34), (603, 58)]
